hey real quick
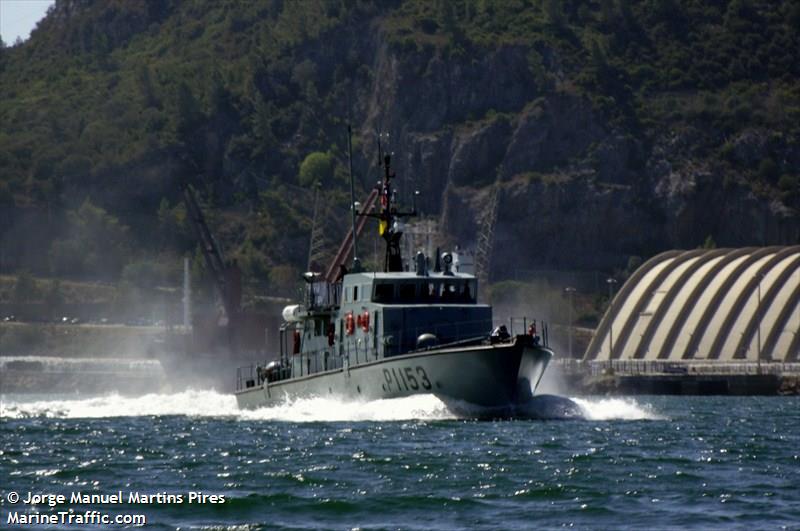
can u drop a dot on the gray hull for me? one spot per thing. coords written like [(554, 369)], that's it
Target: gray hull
[(495, 377)]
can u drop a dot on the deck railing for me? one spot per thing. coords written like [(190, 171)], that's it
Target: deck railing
[(646, 367)]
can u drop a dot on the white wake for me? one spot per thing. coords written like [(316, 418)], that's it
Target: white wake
[(210, 403), (616, 409)]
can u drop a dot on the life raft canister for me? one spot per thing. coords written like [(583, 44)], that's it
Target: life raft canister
[(364, 321), (349, 324)]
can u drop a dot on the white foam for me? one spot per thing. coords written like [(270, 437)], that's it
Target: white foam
[(209, 403), (193, 403), (424, 407), (615, 409)]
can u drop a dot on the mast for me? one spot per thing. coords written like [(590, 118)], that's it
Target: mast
[(388, 217), (387, 227), (356, 263)]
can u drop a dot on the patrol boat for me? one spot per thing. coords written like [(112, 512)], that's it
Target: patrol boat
[(376, 335)]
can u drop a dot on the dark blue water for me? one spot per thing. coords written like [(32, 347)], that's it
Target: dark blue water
[(656, 462)]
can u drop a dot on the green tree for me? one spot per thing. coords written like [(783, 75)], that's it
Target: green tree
[(2, 55), (317, 167)]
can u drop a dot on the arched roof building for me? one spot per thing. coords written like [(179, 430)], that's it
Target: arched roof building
[(723, 305)]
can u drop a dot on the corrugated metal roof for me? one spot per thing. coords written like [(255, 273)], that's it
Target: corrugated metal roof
[(719, 304)]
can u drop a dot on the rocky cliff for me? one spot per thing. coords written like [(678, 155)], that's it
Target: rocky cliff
[(576, 191)]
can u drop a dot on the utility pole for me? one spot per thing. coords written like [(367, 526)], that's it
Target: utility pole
[(570, 292)]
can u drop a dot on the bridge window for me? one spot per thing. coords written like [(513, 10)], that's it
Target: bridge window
[(429, 292), (407, 292), (468, 291), (455, 291), (384, 293), (448, 292)]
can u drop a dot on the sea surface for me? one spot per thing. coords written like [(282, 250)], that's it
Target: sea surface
[(643, 463)]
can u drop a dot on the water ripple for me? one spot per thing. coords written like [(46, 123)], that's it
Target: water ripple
[(680, 462)]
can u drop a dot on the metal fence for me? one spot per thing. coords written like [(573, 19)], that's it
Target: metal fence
[(645, 368)]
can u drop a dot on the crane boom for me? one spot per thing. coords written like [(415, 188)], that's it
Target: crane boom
[(215, 262), (347, 244)]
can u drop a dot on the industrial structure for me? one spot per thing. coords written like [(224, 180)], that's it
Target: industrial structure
[(703, 313)]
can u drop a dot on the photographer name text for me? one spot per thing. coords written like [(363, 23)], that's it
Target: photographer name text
[(116, 498)]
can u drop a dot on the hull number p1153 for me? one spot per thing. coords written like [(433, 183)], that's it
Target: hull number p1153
[(405, 379)]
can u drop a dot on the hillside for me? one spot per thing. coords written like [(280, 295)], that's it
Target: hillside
[(613, 129)]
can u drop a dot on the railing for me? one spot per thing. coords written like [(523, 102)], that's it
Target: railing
[(245, 377), (392, 343), (525, 325), (645, 368)]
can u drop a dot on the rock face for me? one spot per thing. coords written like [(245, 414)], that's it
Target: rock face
[(574, 192)]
